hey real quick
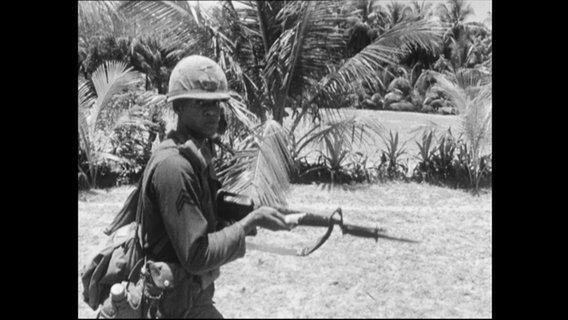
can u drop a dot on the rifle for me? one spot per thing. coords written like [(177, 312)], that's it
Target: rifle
[(233, 207)]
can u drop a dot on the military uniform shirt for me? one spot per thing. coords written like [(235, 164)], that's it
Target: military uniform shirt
[(179, 203)]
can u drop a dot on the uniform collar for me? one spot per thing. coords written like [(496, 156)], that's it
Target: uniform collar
[(191, 146), (181, 138)]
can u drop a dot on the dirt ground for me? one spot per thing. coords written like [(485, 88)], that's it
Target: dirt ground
[(446, 275)]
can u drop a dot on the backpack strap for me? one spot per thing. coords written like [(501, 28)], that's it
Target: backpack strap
[(137, 239), (127, 214), (139, 216)]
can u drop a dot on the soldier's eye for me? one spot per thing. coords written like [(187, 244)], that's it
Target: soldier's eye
[(207, 103)]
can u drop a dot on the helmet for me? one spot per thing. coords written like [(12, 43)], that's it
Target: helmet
[(197, 77)]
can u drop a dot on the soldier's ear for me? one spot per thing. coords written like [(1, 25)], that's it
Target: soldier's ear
[(175, 106), (222, 123)]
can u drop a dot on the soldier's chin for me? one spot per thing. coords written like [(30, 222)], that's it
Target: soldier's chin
[(209, 132)]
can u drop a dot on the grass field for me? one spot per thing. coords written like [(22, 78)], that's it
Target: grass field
[(447, 275)]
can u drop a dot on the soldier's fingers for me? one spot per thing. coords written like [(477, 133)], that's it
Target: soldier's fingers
[(280, 216), (278, 224), (274, 213)]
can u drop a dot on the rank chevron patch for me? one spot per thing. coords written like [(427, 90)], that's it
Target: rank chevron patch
[(183, 197)]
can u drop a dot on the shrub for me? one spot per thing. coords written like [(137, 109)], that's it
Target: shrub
[(352, 169), (449, 163), (402, 84), (332, 160), (94, 95), (392, 97), (467, 174), (154, 58), (357, 168), (131, 143), (391, 166), (124, 134), (425, 168), (142, 125), (437, 165), (334, 165)]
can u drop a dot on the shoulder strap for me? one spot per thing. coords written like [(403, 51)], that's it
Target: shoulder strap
[(199, 157), (139, 225), (139, 216), (127, 214)]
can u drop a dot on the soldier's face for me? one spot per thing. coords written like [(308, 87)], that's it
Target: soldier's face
[(201, 116)]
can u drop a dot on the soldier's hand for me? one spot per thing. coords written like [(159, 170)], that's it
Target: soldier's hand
[(265, 217)]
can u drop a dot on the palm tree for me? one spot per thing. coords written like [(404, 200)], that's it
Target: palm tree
[(421, 10), (99, 18), (180, 24), (457, 40), (255, 28), (94, 51), (96, 18), (363, 17), (310, 43), (110, 78), (150, 56), (454, 12), (290, 53), (471, 93), (394, 13)]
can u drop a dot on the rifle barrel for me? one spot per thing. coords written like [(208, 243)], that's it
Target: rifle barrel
[(315, 220)]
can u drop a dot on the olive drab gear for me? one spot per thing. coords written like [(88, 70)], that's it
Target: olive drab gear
[(197, 77), (173, 291), (121, 257), (122, 261)]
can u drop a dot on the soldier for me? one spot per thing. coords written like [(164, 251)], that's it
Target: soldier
[(180, 223)]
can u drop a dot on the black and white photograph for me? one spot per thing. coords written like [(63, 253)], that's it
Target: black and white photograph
[(285, 159)]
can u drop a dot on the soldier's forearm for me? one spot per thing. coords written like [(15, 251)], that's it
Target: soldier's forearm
[(216, 249)]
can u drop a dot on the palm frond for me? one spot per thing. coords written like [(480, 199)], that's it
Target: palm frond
[(477, 121), (86, 97), (109, 78), (296, 50), (134, 117), (346, 126), (304, 51), (421, 9), (423, 34), (250, 36), (256, 22), (457, 95), (455, 11), (476, 112), (263, 25), (172, 19), (85, 100), (262, 171), (239, 111), (471, 79), (100, 17), (387, 49)]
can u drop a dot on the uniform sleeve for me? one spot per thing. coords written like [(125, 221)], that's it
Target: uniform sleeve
[(176, 187)]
